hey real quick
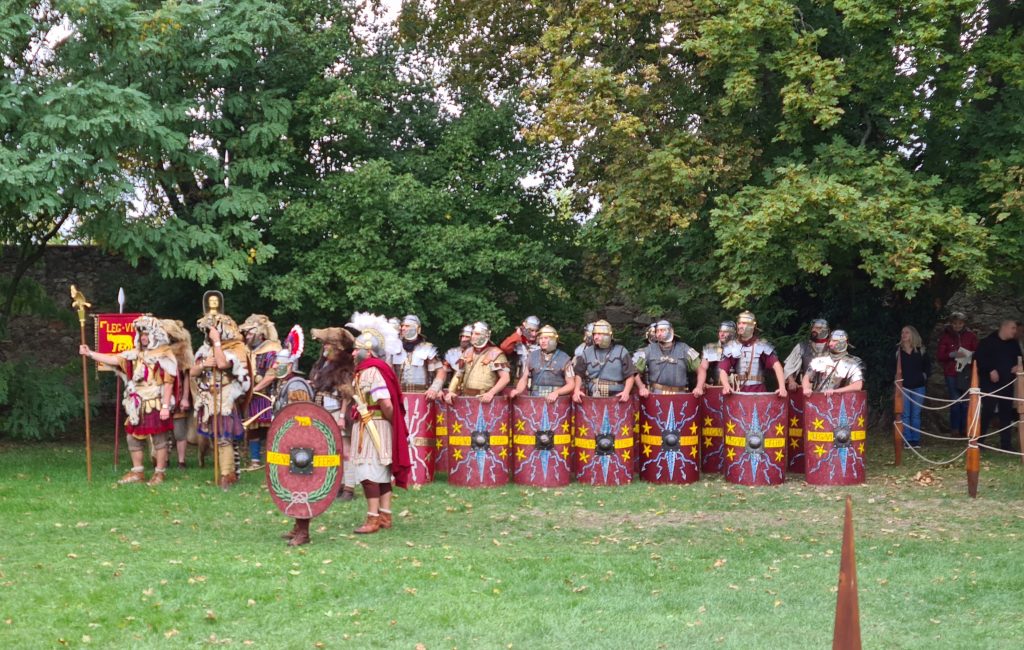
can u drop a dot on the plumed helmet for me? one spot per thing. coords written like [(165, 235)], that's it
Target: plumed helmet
[(377, 334)]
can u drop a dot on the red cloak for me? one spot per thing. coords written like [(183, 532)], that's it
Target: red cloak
[(401, 465)]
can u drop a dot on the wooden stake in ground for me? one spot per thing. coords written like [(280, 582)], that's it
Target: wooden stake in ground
[(846, 635), (1018, 393), (79, 303), (973, 430), (897, 413)]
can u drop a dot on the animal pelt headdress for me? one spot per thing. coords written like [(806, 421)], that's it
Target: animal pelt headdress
[(223, 323), (181, 342), (263, 327), (153, 326), (335, 374)]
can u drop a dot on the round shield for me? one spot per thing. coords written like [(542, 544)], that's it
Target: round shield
[(712, 441), (795, 427), (669, 444), (478, 442), (755, 438), (603, 446), (421, 420), (303, 460), (835, 437), (541, 441)]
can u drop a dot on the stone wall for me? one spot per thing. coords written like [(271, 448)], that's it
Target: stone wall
[(54, 341)]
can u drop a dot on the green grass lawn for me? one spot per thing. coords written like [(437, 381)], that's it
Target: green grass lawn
[(706, 565)]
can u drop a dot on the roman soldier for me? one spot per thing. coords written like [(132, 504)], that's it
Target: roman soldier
[(520, 343), (452, 356), (836, 372), (639, 356), (667, 361), (747, 358), (261, 338), (181, 345), (547, 370), (588, 340), (379, 449), (711, 355), (483, 369), (331, 377), (799, 360), (417, 364), (223, 378), (149, 371), (605, 368)]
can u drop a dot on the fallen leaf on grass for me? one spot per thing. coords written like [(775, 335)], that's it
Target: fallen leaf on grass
[(72, 556), (580, 589), (720, 563), (410, 590), (171, 633), (211, 615)]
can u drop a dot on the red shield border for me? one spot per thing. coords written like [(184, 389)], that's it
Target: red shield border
[(712, 427), (420, 420)]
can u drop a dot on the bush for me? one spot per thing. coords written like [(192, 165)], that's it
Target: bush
[(37, 403)]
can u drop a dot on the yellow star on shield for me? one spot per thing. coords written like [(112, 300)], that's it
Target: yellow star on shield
[(582, 431), (647, 427), (794, 443), (625, 455), (794, 421), (693, 428), (819, 424), (730, 453), (504, 427), (693, 451), (584, 457), (636, 428), (625, 430), (819, 450), (503, 453), (647, 451), (636, 416), (707, 441), (457, 454), (440, 443), (779, 429), (779, 455), (440, 418), (860, 420), (565, 427), (731, 426), (860, 447), (565, 452), (519, 454), (707, 422), (519, 425), (457, 427)]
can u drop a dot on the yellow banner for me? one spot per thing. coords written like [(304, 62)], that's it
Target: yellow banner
[(771, 443), (736, 441), (819, 436), (424, 442), (686, 441), (441, 432), (650, 440), (277, 458), (795, 433), (858, 435), (712, 432)]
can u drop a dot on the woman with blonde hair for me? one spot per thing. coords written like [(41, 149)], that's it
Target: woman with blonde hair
[(915, 367)]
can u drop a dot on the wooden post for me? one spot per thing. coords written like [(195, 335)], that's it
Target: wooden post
[(973, 431), (846, 634), (897, 413), (1018, 392)]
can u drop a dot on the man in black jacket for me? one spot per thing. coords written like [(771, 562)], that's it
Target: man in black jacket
[(997, 358)]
